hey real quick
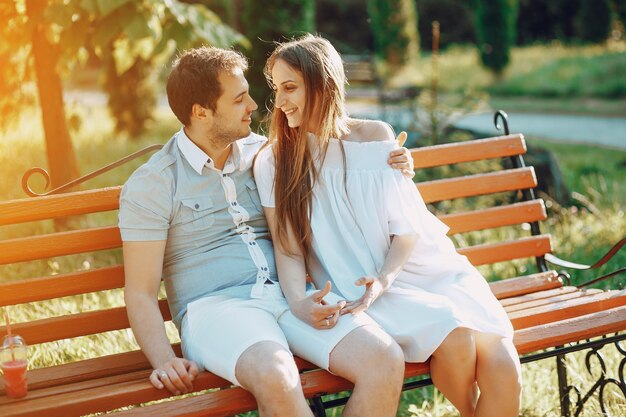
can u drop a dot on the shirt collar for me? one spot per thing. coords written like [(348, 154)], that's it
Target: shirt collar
[(192, 153), (198, 159)]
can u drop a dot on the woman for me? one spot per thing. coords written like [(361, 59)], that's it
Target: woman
[(337, 211)]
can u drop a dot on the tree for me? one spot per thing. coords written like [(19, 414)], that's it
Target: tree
[(52, 36), (394, 25), (593, 21), (495, 30)]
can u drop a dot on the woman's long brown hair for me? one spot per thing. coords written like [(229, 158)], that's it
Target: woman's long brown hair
[(324, 81)]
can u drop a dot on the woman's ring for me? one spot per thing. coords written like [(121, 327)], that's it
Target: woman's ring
[(326, 323), (163, 374)]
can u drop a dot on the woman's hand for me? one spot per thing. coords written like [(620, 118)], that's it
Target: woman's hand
[(401, 158), (373, 289), (314, 311)]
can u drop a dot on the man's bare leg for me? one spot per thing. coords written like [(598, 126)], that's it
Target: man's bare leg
[(269, 372)]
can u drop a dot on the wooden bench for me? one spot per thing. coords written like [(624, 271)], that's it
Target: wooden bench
[(545, 312)]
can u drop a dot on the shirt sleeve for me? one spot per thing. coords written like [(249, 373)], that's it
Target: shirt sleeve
[(407, 212), (145, 206), (264, 173)]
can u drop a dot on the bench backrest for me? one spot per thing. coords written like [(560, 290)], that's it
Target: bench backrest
[(99, 269)]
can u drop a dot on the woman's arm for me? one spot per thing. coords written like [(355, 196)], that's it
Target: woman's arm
[(399, 252), (311, 309)]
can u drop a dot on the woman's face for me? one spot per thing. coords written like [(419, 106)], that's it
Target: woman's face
[(290, 94)]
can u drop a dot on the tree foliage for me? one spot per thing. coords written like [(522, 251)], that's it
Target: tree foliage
[(546, 20), (593, 21), (495, 30), (394, 26), (125, 34)]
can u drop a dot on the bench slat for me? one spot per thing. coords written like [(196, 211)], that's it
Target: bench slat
[(571, 330), (525, 212), (537, 295), (61, 205), (549, 300), (504, 251), (62, 285), (477, 184), (59, 244), (567, 309), (513, 287), (75, 325), (236, 400), (474, 150)]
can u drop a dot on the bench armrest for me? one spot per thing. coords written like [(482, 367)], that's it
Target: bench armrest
[(607, 257)]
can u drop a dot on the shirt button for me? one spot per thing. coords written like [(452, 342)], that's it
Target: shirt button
[(224, 175), (197, 206)]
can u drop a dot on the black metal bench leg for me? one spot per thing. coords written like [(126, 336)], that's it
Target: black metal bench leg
[(317, 406), (561, 372)]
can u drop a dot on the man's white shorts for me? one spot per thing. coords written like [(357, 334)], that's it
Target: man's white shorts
[(218, 329)]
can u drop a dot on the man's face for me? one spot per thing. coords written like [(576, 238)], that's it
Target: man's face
[(232, 116)]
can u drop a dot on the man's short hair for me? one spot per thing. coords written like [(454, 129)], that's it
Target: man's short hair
[(193, 79)]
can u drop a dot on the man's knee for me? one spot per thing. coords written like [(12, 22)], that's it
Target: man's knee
[(267, 367)]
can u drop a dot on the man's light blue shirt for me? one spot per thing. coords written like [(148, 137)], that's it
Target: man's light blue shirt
[(218, 241)]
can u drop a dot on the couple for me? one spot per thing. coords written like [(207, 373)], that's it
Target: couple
[(390, 285)]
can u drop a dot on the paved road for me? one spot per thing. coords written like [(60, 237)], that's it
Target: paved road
[(604, 131)]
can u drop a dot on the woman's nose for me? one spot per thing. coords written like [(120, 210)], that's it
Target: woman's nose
[(278, 101)]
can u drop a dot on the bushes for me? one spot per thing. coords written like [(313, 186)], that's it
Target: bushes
[(593, 21), (394, 25), (495, 29)]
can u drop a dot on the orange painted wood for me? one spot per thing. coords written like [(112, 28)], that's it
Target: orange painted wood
[(54, 286), (235, 400), (550, 300), (567, 309), (474, 150), (513, 287), (59, 244), (570, 330), (61, 205), (74, 325), (505, 251), (526, 212), (477, 184), (537, 296)]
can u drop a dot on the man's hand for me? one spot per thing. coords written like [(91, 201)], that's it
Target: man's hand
[(373, 289), (176, 375), (314, 310), (401, 158)]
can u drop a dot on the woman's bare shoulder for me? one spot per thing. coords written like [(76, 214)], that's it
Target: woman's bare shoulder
[(369, 131)]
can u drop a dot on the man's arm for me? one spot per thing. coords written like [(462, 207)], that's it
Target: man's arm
[(143, 265)]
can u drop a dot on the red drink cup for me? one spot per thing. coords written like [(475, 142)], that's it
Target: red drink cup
[(13, 363)]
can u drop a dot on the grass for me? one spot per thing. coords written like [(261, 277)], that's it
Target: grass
[(579, 235), (591, 76)]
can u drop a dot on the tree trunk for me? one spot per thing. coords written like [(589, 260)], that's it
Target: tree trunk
[(62, 163)]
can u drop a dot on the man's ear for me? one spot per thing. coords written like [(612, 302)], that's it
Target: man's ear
[(200, 112)]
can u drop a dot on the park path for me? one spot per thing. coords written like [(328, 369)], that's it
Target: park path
[(604, 131), (608, 132)]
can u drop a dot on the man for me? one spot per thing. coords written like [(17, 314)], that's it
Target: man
[(192, 216)]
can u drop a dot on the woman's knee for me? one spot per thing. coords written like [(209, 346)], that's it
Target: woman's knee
[(368, 354), (459, 343), (501, 359)]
